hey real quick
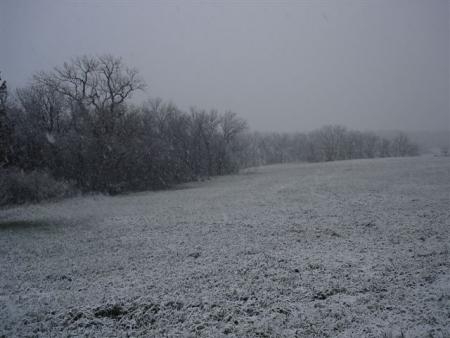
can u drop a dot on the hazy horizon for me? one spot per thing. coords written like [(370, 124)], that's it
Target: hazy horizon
[(293, 66)]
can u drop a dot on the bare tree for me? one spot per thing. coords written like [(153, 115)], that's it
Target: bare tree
[(229, 147), (204, 129), (44, 106), (5, 129), (330, 141), (3, 94), (402, 146), (231, 125), (94, 85)]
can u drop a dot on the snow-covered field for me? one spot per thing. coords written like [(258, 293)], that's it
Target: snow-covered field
[(343, 249)]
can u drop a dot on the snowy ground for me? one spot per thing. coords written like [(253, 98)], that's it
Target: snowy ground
[(344, 249)]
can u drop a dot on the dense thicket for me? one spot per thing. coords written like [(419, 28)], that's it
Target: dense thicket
[(76, 124)]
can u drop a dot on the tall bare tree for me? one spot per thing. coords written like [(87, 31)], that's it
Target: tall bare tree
[(95, 87)]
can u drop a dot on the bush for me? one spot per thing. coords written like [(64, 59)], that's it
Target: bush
[(18, 187)]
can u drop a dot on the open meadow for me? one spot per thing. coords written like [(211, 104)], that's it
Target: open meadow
[(339, 249)]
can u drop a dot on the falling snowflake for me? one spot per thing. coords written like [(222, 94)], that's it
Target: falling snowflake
[(50, 138)]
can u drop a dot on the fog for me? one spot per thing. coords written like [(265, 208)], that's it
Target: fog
[(292, 66), (224, 168)]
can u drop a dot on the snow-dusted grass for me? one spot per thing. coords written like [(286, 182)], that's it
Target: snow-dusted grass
[(352, 248)]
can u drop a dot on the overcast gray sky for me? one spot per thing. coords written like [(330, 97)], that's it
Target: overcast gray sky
[(283, 66)]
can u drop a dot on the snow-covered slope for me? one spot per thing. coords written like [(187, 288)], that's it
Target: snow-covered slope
[(352, 248)]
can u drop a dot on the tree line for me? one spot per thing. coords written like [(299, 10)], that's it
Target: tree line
[(329, 143), (76, 124)]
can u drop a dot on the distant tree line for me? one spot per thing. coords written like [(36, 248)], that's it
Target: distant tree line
[(329, 143), (76, 124)]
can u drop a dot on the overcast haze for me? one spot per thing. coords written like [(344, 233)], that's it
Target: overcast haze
[(283, 67)]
